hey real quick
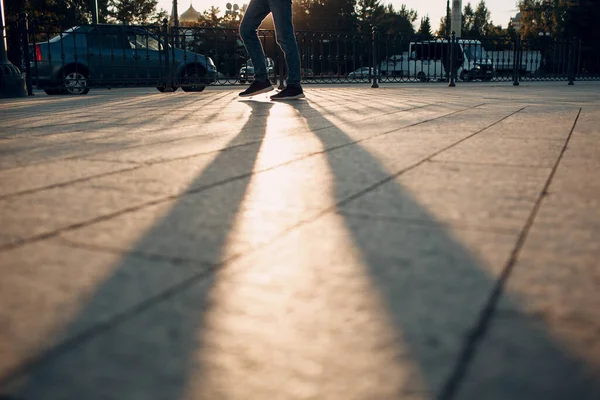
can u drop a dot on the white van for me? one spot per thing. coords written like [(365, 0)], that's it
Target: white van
[(429, 60)]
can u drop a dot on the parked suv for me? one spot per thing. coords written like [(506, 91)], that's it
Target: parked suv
[(114, 55)]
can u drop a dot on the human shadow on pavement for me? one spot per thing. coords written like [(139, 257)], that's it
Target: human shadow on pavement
[(431, 285), (132, 339), (434, 289)]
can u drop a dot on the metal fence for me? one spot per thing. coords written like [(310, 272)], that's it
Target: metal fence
[(191, 58)]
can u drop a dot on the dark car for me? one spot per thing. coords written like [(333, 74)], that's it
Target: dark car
[(306, 73), (247, 70), (116, 55)]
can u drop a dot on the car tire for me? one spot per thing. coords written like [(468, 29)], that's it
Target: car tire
[(194, 72), (75, 82), (197, 88), (422, 77), (53, 92), (464, 76), (163, 88)]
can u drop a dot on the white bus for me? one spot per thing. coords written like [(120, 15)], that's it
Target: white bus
[(429, 60)]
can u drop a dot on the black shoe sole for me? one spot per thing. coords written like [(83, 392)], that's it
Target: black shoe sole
[(265, 90), (298, 96)]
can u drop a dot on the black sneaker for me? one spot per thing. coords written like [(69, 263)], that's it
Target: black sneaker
[(257, 87), (289, 93)]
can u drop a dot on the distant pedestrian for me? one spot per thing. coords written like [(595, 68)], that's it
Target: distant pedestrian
[(256, 12)]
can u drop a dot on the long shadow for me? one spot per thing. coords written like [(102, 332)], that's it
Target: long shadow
[(434, 291), (432, 287), (153, 351)]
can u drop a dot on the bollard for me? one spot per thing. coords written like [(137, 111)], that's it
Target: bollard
[(24, 28), (517, 61), (375, 85), (168, 77), (452, 60), (571, 61)]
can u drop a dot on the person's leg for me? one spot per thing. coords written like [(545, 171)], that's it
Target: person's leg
[(255, 13), (284, 28)]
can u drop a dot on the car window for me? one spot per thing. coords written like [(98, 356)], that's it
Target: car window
[(142, 42), (62, 36), (106, 39)]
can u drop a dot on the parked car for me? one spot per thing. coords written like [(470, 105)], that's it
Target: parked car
[(362, 73), (307, 73), (113, 55), (247, 70)]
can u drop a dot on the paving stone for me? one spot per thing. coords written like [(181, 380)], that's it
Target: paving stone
[(43, 212), (373, 300), (520, 358), (51, 292), (39, 176), (28, 151), (486, 197), (531, 123), (208, 226), (337, 299), (506, 151)]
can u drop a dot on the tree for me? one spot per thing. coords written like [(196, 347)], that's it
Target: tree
[(476, 23), (210, 18), (329, 15), (561, 18), (368, 14), (425, 28), (131, 11), (398, 22), (443, 27)]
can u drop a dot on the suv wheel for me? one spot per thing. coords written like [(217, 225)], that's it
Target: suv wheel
[(52, 92), (163, 88), (76, 82)]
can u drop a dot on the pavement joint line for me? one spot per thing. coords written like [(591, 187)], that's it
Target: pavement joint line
[(93, 154), (56, 232), (182, 126), (102, 105), (426, 223), (104, 326), (173, 290), (138, 254), (63, 184), (140, 165), (422, 161), (450, 389), (483, 164)]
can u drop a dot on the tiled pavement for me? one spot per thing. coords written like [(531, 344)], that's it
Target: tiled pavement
[(408, 242)]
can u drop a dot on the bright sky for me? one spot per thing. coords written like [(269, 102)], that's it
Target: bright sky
[(501, 10)]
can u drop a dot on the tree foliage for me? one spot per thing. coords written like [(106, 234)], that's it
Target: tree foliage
[(476, 22), (425, 28), (560, 18), (131, 11), (64, 14)]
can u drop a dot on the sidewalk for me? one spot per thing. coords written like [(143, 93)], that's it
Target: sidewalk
[(407, 242)]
